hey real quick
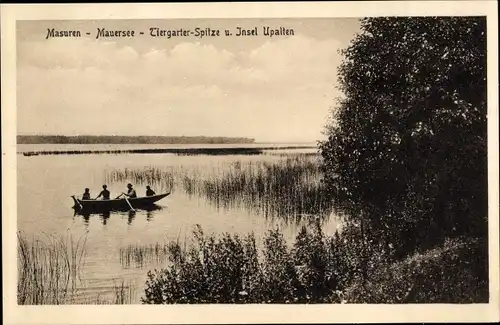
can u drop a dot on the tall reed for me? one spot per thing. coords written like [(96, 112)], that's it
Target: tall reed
[(287, 188), (157, 178), (287, 185), (142, 255), (49, 271), (121, 293)]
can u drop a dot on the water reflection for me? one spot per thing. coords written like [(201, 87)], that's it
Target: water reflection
[(86, 218), (105, 215), (149, 216), (131, 217)]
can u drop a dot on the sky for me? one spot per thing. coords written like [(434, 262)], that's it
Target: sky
[(278, 89)]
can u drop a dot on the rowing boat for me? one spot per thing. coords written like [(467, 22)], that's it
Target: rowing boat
[(117, 204)]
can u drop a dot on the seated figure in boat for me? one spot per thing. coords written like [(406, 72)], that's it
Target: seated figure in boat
[(149, 191), (86, 194), (104, 193), (131, 192)]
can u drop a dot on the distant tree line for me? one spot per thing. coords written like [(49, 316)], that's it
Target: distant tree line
[(113, 139)]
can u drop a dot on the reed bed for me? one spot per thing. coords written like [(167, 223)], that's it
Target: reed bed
[(49, 270), (221, 151), (141, 255), (290, 154), (155, 177), (122, 293), (288, 187), (180, 152)]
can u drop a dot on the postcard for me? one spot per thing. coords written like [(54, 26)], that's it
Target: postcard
[(220, 163)]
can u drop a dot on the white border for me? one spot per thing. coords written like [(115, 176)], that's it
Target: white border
[(215, 314)]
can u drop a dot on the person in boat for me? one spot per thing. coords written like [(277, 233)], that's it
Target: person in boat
[(149, 191), (86, 194), (131, 192), (104, 193)]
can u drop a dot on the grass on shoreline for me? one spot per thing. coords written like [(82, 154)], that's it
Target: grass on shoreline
[(49, 270)]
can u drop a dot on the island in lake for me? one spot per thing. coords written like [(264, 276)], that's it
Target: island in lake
[(114, 139)]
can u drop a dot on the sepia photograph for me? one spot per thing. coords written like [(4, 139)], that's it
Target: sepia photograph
[(260, 161)]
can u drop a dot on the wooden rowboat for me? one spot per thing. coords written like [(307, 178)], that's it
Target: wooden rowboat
[(117, 204)]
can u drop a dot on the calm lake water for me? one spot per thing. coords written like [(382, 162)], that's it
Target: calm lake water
[(45, 184)]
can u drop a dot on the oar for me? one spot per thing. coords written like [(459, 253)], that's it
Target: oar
[(130, 205), (74, 199)]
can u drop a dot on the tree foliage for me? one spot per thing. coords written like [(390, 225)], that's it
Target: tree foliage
[(406, 151)]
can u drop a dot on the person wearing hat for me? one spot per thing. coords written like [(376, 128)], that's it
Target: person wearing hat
[(104, 193), (131, 192)]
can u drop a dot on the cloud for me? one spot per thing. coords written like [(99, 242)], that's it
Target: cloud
[(281, 89)]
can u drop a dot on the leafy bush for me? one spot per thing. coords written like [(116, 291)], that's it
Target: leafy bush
[(317, 269), (231, 270), (451, 273)]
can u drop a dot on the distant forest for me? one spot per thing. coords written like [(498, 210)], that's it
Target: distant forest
[(112, 139)]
